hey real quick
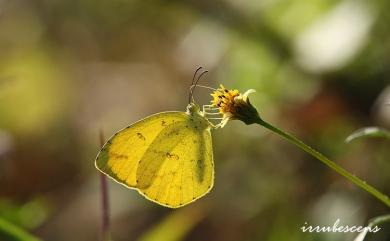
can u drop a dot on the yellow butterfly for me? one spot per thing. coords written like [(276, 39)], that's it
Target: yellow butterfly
[(167, 157)]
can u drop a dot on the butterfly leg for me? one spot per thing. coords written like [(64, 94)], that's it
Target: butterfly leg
[(203, 86), (207, 108)]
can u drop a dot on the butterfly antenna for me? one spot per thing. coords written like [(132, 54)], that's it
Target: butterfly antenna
[(192, 83)]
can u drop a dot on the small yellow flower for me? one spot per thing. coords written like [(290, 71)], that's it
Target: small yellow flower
[(234, 106), (224, 99)]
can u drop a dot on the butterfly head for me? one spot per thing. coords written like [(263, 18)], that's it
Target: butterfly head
[(193, 108)]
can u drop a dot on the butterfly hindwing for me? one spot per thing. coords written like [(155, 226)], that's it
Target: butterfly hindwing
[(178, 166)]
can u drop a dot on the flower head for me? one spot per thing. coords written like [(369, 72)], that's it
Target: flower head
[(234, 106)]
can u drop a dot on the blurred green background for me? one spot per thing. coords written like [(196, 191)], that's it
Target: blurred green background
[(70, 68)]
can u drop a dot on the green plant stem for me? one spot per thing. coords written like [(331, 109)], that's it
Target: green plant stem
[(379, 220), (326, 161), (14, 233)]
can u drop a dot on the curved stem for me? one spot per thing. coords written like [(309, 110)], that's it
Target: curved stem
[(379, 220), (362, 184)]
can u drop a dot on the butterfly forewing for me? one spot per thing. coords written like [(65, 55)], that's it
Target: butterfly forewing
[(120, 156)]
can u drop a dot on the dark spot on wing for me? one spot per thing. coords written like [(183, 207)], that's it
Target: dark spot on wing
[(199, 164), (174, 133), (172, 156), (200, 171), (118, 156), (163, 123), (140, 136)]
